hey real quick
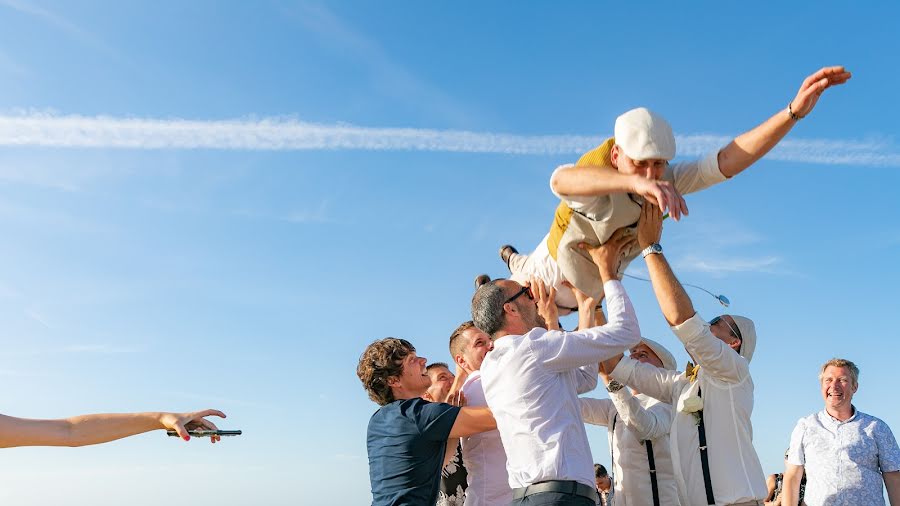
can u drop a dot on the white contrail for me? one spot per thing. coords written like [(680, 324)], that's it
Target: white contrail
[(285, 134)]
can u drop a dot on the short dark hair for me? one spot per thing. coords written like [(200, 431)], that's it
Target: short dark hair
[(381, 361), (487, 307), (456, 346), (436, 364), (600, 471)]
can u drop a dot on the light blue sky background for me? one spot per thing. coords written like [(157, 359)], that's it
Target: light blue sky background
[(240, 246)]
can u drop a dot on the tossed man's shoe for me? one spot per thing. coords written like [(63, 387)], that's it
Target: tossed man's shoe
[(507, 251)]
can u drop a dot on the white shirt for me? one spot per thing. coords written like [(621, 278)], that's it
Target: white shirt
[(484, 456), (727, 393), (638, 418), (844, 460), (532, 382)]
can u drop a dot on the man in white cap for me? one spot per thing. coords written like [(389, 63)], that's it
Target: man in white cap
[(711, 439), (638, 435), (604, 190)]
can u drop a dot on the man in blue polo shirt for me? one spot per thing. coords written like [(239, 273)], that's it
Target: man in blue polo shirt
[(407, 436)]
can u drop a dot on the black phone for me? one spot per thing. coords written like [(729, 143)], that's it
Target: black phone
[(206, 433)]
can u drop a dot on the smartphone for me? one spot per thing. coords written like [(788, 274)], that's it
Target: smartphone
[(206, 433)]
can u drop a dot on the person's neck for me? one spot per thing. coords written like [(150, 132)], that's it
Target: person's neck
[(401, 394), (842, 413)]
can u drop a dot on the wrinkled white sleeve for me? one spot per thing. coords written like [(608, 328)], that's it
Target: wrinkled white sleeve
[(586, 378), (645, 423), (695, 175), (660, 384), (563, 351), (717, 358), (595, 411)]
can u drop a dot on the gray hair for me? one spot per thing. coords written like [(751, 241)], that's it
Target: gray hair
[(842, 362), (487, 308)]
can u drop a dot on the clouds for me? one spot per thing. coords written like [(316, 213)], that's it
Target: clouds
[(40, 129)]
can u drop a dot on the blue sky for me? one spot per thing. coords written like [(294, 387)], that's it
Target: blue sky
[(220, 204)]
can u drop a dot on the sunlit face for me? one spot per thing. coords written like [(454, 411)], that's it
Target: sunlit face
[(837, 387), (441, 380), (524, 302), (643, 353), (478, 344), (653, 168), (603, 484), (414, 379), (725, 329)]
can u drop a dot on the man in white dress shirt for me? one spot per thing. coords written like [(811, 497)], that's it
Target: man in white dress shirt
[(846, 453), (638, 435), (482, 453), (533, 376), (711, 439)]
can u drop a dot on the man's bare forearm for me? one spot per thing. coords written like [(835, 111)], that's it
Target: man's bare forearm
[(585, 181), (673, 300)]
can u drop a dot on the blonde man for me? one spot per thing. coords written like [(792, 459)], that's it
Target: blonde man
[(846, 454)]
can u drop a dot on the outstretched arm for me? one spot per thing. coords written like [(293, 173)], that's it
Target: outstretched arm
[(472, 421), (673, 299), (86, 430), (750, 146)]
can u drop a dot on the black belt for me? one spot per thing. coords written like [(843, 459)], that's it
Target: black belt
[(565, 487)]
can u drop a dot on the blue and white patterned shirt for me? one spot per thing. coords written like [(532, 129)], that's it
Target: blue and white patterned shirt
[(844, 460)]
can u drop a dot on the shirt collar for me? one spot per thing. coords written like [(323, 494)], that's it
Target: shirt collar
[(835, 421)]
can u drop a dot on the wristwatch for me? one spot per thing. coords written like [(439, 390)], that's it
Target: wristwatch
[(653, 249), (614, 386)]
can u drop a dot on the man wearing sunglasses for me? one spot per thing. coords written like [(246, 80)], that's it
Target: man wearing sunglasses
[(532, 378), (604, 189), (711, 439)]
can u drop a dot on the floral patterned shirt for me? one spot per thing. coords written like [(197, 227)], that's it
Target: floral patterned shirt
[(844, 460), (453, 482)]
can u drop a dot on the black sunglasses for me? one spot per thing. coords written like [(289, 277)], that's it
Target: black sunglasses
[(735, 331), (523, 291)]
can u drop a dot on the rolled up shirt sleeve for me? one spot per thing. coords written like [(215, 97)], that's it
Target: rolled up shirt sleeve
[(696, 175), (719, 360)]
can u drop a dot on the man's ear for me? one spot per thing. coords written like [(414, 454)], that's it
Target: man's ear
[(393, 381), (736, 345), (614, 156), (460, 361)]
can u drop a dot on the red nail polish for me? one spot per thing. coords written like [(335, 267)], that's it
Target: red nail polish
[(187, 438)]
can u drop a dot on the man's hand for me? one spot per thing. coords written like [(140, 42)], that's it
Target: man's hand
[(649, 228), (454, 395), (545, 298), (183, 422), (608, 255), (814, 85), (607, 366), (661, 193)]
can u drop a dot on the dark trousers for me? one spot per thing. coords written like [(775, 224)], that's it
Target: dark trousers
[(553, 499)]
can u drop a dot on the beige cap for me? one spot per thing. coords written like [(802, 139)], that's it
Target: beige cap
[(667, 359), (644, 135), (748, 335)]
